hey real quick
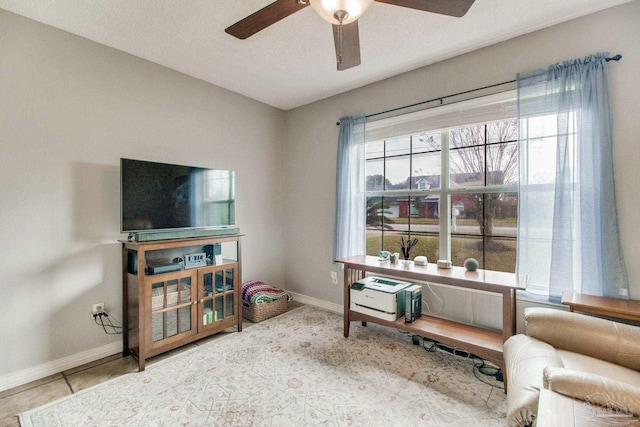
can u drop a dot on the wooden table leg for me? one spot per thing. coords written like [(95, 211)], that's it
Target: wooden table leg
[(508, 313), (346, 301)]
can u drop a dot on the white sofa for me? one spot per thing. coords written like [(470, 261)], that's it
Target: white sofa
[(580, 356)]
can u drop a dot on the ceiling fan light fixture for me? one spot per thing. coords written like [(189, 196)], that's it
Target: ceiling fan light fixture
[(340, 11)]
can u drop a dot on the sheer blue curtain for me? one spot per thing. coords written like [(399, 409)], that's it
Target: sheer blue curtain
[(568, 237), (349, 236)]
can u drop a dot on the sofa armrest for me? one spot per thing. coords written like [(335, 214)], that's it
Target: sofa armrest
[(592, 336), (594, 389), (525, 358)]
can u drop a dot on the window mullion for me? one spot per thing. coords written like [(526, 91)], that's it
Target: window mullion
[(445, 198), (384, 187), (410, 187), (483, 228)]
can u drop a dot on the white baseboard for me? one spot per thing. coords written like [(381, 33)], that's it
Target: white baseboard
[(25, 376), (338, 308)]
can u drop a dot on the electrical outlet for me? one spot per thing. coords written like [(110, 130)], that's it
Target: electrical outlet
[(97, 308), (334, 277)]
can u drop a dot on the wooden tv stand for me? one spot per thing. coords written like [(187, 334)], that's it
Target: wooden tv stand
[(163, 309), (484, 343)]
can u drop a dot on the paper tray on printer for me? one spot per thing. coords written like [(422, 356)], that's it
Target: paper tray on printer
[(375, 313)]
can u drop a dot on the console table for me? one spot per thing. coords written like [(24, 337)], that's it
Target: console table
[(604, 306), (484, 343)]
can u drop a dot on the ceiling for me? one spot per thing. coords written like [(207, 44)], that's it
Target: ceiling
[(292, 63)]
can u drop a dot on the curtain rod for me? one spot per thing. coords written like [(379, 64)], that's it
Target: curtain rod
[(617, 57)]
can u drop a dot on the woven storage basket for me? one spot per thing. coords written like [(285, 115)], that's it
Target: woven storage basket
[(258, 312)]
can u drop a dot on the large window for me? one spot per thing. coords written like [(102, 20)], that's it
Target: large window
[(455, 189)]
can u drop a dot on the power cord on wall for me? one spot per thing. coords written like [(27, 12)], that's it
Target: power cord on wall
[(426, 304), (103, 319)]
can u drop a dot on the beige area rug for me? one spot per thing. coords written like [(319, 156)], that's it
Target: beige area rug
[(293, 370)]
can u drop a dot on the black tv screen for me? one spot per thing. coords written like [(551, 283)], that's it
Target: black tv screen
[(160, 196)]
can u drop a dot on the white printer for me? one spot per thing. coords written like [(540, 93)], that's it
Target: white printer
[(380, 297)]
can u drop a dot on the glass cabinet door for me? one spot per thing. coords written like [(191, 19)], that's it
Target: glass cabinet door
[(172, 310), (218, 290)]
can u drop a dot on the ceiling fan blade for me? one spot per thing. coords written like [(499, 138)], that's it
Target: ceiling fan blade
[(455, 8), (347, 41), (263, 18)]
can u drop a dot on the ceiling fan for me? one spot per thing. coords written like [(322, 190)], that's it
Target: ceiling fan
[(343, 15)]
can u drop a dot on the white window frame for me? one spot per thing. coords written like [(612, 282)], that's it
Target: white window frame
[(486, 109)]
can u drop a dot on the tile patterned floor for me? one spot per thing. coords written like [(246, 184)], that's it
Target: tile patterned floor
[(28, 396)]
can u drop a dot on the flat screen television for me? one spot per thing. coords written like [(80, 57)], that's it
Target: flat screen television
[(164, 197)]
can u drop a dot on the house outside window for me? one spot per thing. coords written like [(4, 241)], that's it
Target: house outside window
[(454, 188)]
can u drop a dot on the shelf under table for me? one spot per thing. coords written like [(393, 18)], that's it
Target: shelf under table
[(484, 343)]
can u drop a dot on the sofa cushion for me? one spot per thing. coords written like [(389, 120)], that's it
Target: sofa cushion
[(580, 362), (525, 358)]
